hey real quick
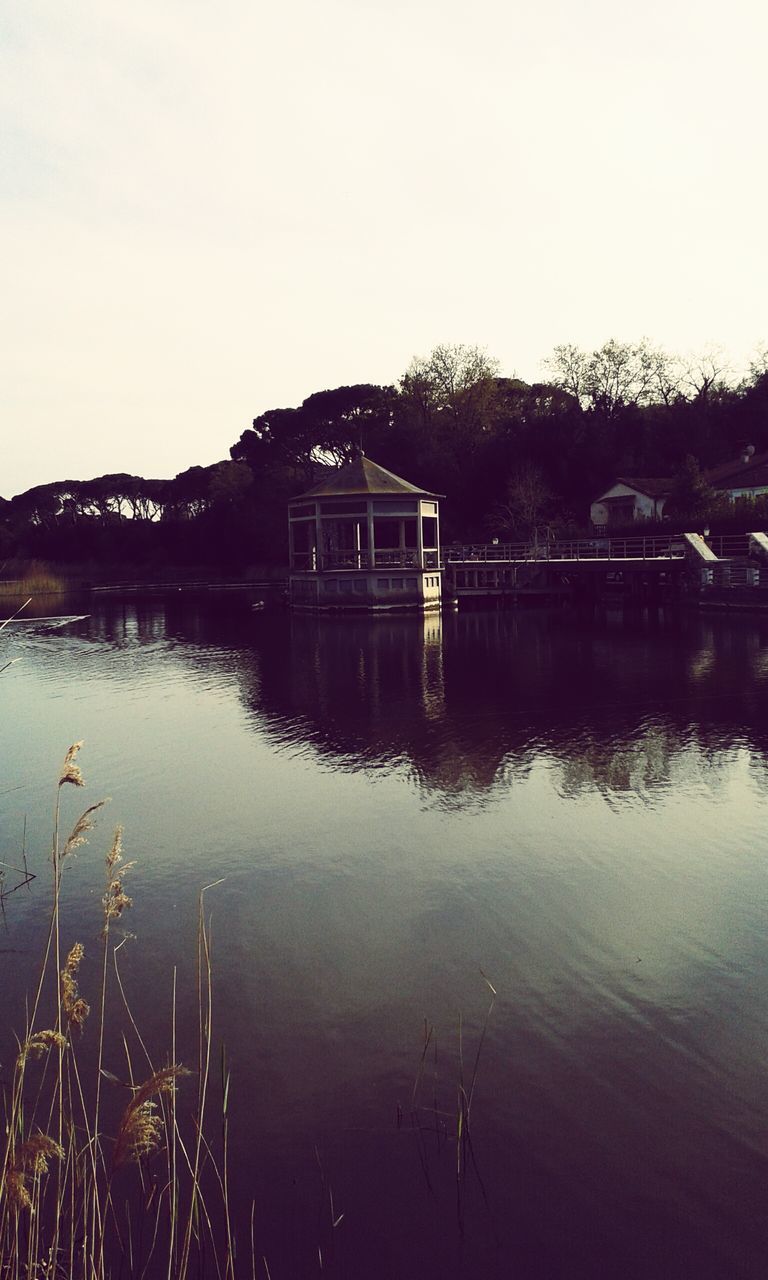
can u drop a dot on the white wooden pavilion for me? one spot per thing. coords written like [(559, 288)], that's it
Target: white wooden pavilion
[(365, 539)]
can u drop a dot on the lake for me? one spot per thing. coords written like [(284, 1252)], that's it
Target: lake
[(404, 814)]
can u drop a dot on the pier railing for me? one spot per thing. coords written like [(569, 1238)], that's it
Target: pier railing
[(663, 548), (727, 546)]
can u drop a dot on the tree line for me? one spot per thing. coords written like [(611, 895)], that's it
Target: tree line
[(505, 453)]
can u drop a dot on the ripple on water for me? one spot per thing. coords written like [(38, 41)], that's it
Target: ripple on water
[(577, 811)]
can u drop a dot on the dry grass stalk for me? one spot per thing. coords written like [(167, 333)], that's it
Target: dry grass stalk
[(31, 1159), (36, 1045), (33, 577), (70, 770), (75, 1008), (140, 1128), (115, 899), (79, 833), (69, 1223)]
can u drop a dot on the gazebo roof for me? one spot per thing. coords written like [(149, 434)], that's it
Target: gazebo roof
[(362, 476)]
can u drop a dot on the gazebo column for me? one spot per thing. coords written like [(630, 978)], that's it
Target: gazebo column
[(371, 546), (420, 538), (318, 555)]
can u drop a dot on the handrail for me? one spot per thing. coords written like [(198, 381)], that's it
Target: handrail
[(382, 558), (670, 547), (728, 545)]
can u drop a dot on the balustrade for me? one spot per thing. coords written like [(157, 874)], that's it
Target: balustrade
[(671, 548)]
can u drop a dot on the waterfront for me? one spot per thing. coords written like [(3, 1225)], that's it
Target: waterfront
[(574, 807)]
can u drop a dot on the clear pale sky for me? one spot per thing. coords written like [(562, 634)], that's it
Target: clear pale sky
[(211, 209)]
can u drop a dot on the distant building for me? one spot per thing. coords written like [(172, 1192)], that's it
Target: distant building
[(363, 538), (630, 499), (743, 477)]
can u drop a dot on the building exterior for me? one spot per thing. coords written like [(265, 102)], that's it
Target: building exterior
[(630, 499), (363, 538), (742, 477)]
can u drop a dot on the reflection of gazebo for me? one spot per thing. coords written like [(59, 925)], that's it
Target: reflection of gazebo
[(366, 539)]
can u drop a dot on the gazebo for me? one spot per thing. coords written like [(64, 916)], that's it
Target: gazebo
[(364, 539)]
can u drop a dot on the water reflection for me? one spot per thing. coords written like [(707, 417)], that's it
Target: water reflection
[(573, 805), (624, 705)]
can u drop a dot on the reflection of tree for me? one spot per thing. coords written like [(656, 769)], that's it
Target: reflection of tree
[(657, 755), (620, 708), (624, 705), (643, 762)]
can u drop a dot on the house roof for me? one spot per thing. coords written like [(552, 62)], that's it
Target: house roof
[(362, 476), (738, 474), (655, 488)]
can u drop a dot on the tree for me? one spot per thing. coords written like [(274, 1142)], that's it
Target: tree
[(707, 373), (189, 493), (42, 505), (456, 380), (342, 421), (692, 496), (230, 485), (614, 377), (276, 438), (527, 501), (569, 367), (328, 427)]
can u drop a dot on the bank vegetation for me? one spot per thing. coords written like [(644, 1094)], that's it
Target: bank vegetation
[(507, 455)]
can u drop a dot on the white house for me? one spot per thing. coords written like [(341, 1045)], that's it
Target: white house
[(742, 477), (630, 499)]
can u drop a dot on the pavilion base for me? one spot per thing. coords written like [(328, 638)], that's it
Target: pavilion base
[(373, 591)]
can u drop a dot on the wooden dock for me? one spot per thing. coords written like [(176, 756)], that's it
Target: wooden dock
[(650, 568)]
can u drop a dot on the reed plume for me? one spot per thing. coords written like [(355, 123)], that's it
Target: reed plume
[(36, 1045), (70, 770), (140, 1128), (31, 1159), (69, 1222), (116, 900), (79, 833), (75, 1008)]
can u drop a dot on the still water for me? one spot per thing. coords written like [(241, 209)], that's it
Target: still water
[(402, 812)]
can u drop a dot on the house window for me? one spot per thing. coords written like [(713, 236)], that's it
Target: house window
[(331, 586), (360, 585), (410, 584), (621, 509), (382, 584)]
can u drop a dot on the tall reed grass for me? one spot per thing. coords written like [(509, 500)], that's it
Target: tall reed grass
[(32, 578), (90, 1191), (147, 1196)]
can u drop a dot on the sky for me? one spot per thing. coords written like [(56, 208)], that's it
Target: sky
[(210, 210)]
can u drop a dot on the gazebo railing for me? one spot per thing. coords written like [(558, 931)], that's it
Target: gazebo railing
[(390, 558)]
